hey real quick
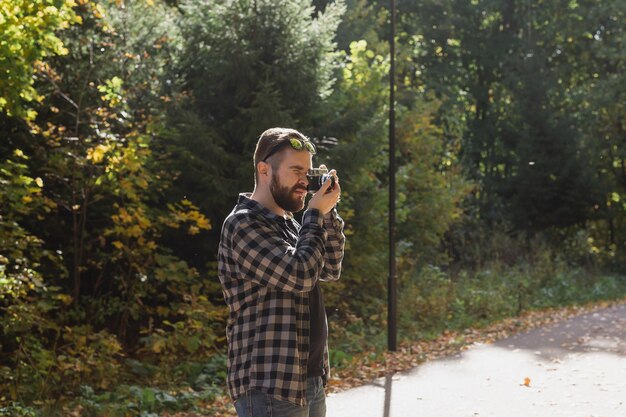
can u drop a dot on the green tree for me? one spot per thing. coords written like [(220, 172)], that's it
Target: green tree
[(246, 66), (595, 95), (429, 187), (28, 35), (501, 64), (97, 282)]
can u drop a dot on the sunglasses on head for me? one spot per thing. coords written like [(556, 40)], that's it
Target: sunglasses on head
[(297, 144)]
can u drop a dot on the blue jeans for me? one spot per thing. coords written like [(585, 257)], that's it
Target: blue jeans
[(258, 404)]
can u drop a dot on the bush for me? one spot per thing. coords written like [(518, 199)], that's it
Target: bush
[(425, 302), (433, 301), (17, 410)]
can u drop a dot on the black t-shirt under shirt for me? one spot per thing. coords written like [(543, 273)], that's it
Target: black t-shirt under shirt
[(318, 332)]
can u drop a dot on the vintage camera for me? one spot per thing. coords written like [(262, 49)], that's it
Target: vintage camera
[(317, 177)]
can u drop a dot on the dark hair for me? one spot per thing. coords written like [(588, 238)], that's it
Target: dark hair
[(270, 140)]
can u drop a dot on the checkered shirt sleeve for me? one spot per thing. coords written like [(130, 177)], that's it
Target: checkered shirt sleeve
[(333, 253), (267, 265)]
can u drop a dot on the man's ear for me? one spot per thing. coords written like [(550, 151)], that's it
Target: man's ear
[(265, 169)]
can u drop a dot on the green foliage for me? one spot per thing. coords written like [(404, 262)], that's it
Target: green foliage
[(198, 383), (245, 58), (538, 276), (77, 295), (245, 66), (25, 298), (597, 100), (28, 30), (429, 188), (360, 159), (16, 409), (523, 139), (127, 130), (136, 400)]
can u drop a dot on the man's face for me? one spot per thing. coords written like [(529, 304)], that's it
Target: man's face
[(289, 182)]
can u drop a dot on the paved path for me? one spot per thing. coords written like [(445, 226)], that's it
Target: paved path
[(576, 368)]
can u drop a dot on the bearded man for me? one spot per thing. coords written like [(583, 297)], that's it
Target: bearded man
[(270, 267)]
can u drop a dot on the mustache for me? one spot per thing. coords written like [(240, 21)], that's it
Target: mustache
[(298, 188)]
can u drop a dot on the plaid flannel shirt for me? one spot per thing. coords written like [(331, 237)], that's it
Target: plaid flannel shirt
[(267, 266)]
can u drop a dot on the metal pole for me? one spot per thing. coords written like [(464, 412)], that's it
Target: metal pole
[(391, 287)]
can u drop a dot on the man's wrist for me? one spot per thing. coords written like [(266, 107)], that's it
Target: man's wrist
[(313, 215), (332, 219)]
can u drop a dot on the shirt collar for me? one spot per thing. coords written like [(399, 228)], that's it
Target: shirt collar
[(256, 207)]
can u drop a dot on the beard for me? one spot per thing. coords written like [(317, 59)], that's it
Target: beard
[(285, 197)]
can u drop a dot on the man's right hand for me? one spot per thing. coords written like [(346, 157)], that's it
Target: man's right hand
[(324, 200)]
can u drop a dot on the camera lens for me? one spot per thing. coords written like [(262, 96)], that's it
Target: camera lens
[(317, 177), (316, 182)]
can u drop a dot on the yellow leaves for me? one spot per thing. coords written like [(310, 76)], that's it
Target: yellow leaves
[(20, 154), (134, 232), (112, 91), (98, 11), (142, 183), (358, 46), (132, 164), (364, 71), (527, 382), (125, 166), (30, 114), (65, 299), (201, 221), (158, 345), (97, 153), (124, 216), (29, 30), (126, 160), (86, 354), (135, 221), (347, 72), (143, 222), (186, 212)]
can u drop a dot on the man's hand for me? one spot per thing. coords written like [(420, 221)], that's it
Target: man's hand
[(324, 199)]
